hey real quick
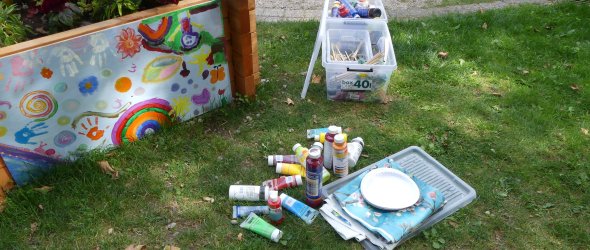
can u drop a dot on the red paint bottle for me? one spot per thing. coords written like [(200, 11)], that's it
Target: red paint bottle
[(275, 209), (314, 170)]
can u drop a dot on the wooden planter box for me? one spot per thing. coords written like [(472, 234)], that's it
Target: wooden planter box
[(110, 83)]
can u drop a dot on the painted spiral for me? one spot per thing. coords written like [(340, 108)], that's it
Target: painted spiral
[(39, 105)]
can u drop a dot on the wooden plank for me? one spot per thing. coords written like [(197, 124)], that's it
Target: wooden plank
[(62, 36), (6, 181), (226, 29), (242, 4), (245, 65), (245, 44), (247, 85), (225, 8), (242, 22)]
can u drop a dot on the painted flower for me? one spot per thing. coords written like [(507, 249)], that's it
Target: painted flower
[(88, 85), (46, 72), (221, 91), (128, 43)]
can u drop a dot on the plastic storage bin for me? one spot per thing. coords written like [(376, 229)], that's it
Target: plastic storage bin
[(364, 81), (349, 46), (457, 193), (372, 4)]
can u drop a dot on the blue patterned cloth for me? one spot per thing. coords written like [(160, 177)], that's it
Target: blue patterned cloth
[(391, 225)]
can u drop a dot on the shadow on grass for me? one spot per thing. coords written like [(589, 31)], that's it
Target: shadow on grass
[(499, 112)]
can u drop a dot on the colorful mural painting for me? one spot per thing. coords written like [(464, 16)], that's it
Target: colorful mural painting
[(110, 88)]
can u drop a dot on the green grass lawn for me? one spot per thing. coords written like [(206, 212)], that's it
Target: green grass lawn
[(506, 112)]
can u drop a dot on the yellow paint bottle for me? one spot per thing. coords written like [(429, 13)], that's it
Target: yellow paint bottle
[(290, 169)]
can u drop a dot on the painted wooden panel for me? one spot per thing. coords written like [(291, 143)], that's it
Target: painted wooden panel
[(110, 87)]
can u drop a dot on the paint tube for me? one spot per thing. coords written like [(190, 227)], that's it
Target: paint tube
[(260, 226), (283, 182), (311, 133), (274, 159), (243, 211), (296, 169), (322, 137), (248, 193), (299, 208)]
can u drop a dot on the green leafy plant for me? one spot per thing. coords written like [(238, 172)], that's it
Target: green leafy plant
[(67, 18), (107, 9), (435, 238), (12, 29)]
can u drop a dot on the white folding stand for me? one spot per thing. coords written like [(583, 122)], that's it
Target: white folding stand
[(316, 49)]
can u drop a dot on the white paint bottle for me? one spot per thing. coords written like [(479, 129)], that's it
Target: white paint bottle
[(355, 148), (332, 131), (248, 193)]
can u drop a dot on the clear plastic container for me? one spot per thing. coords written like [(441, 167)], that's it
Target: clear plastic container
[(349, 46), (372, 4), (354, 81)]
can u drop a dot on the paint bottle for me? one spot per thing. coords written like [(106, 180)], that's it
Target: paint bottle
[(260, 226), (296, 169), (283, 182), (368, 12), (322, 137), (316, 131), (301, 153), (299, 208), (332, 131), (290, 169), (314, 169), (352, 10), (274, 159), (275, 209), (248, 193), (335, 7), (340, 156), (243, 211), (355, 148), (343, 11)]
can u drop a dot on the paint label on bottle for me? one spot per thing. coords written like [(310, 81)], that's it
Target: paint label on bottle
[(289, 201), (314, 183), (340, 162), (356, 84)]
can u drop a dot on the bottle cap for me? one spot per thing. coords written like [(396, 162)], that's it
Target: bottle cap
[(334, 130), (296, 146), (266, 192), (314, 153), (298, 180), (359, 140), (276, 235), (271, 160), (318, 145), (279, 167), (339, 138), (374, 12), (274, 196), (283, 196)]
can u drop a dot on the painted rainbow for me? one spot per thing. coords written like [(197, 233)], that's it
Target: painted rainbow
[(141, 119)]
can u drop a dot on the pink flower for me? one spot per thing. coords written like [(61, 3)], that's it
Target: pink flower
[(128, 43), (432, 195)]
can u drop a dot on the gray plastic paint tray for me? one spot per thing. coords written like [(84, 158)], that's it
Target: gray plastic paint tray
[(417, 162)]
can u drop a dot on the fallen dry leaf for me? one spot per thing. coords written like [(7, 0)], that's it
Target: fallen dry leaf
[(498, 94), (34, 227), (208, 199), (171, 247), (171, 225), (484, 26), (240, 236), (584, 131), (40, 206), (43, 189), (111, 231), (107, 169), (289, 101), (575, 87), (316, 79), (453, 224), (443, 55), (136, 247), (347, 130)]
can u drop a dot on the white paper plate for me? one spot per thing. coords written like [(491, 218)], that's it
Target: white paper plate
[(389, 189)]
